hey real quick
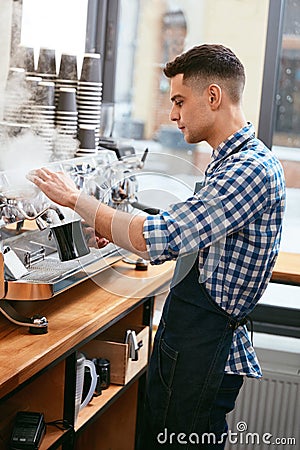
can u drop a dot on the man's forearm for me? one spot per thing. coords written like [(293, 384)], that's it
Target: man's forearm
[(124, 229)]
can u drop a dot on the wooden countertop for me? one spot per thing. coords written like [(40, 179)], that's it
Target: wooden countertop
[(287, 268), (73, 316)]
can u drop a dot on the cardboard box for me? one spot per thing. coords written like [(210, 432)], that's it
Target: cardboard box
[(110, 345)]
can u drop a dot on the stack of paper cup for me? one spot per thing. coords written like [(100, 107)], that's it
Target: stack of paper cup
[(66, 143), (47, 64), (44, 113), (86, 137), (89, 93), (67, 75), (15, 95)]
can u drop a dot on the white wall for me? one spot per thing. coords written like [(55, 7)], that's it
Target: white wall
[(5, 35)]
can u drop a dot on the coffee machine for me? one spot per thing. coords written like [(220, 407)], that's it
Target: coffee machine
[(32, 262)]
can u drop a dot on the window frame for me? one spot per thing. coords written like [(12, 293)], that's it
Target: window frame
[(101, 37), (271, 72)]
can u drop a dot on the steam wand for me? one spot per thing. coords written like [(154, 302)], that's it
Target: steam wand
[(41, 213), (16, 212)]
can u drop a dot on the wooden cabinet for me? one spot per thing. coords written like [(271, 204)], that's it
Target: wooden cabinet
[(38, 373), (43, 394)]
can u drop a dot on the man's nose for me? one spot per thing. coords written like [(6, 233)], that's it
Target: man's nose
[(174, 115)]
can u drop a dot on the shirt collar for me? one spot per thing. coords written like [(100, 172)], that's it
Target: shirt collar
[(230, 144)]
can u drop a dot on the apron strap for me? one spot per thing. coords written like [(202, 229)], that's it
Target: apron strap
[(239, 323)]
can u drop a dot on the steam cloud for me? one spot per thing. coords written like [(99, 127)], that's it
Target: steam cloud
[(18, 156)]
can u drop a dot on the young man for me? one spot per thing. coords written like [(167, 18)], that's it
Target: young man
[(225, 239)]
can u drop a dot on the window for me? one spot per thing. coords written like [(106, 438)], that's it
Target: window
[(279, 123), (287, 119), (152, 32), (56, 24)]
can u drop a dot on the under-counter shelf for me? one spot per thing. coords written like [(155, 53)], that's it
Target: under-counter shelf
[(52, 438), (99, 404), (37, 377), (115, 427), (95, 406)]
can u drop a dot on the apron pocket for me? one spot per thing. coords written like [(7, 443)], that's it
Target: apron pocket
[(160, 380), (167, 364)]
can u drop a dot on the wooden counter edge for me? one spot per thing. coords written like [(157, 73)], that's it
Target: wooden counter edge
[(287, 268)]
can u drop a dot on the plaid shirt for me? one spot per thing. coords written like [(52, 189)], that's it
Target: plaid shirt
[(234, 224)]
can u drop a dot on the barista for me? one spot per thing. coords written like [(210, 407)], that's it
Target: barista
[(225, 239)]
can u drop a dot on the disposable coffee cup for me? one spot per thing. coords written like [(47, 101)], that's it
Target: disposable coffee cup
[(29, 59), (91, 68), (46, 61), (86, 136), (15, 79), (68, 67), (67, 100), (31, 86), (45, 93), (25, 58)]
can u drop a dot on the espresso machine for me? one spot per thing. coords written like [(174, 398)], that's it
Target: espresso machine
[(43, 247)]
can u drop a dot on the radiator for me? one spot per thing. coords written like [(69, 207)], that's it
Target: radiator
[(267, 412)]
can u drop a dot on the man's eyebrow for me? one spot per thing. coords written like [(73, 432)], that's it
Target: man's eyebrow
[(175, 97)]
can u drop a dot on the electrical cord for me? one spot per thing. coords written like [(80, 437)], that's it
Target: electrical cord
[(63, 425)]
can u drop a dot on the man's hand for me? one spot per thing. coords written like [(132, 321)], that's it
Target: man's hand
[(93, 238), (57, 186), (124, 229)]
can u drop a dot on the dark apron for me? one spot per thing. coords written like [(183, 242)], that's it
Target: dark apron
[(190, 351)]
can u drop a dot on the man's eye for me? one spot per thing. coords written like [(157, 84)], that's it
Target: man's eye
[(179, 103)]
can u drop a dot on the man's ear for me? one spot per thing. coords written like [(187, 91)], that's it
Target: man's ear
[(214, 96)]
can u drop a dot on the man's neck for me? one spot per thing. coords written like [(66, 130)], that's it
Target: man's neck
[(226, 125)]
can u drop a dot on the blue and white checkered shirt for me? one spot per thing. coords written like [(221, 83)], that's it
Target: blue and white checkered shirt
[(235, 223)]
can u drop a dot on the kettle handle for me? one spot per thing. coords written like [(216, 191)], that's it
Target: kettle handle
[(94, 376)]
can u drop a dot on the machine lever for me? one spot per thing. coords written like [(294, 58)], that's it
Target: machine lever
[(145, 208)]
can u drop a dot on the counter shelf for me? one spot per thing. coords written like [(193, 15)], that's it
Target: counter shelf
[(38, 372)]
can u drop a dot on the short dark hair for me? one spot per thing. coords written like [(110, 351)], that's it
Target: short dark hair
[(210, 63)]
